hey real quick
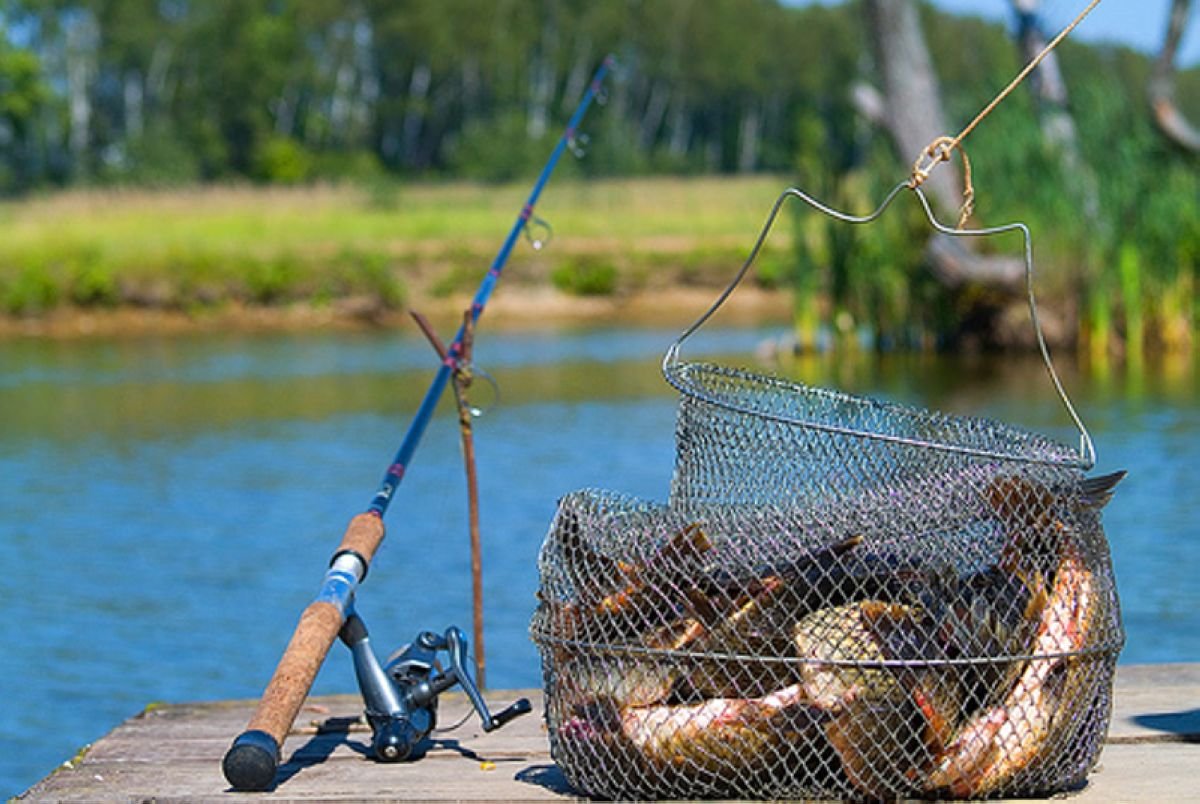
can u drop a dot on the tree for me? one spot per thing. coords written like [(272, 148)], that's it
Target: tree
[(912, 111), (22, 96), (1162, 84), (1058, 125)]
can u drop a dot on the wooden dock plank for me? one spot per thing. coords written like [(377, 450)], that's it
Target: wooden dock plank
[(1156, 703), (173, 753)]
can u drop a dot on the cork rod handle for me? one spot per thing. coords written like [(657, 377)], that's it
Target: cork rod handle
[(253, 759)]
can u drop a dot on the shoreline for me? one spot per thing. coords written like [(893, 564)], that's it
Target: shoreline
[(512, 308)]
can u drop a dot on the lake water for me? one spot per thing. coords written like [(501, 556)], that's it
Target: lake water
[(168, 506)]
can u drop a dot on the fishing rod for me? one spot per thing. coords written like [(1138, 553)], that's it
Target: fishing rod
[(253, 760)]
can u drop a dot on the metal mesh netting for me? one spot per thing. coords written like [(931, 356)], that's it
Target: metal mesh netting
[(841, 598)]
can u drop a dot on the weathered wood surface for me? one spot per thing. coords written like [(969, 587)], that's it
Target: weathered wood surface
[(173, 753)]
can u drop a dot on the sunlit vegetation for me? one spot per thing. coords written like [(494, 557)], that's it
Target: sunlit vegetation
[(304, 151)]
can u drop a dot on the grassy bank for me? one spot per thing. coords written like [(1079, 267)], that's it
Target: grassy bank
[(192, 250), (266, 257)]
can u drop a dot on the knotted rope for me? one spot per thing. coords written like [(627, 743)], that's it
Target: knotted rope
[(942, 147)]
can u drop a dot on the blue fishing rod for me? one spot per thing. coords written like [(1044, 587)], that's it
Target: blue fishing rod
[(401, 698)]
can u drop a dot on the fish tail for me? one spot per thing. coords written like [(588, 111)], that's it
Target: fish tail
[(1097, 491)]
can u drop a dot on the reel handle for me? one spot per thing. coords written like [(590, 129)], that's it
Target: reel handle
[(519, 707), (455, 643)]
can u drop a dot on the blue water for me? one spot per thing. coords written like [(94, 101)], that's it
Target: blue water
[(168, 506)]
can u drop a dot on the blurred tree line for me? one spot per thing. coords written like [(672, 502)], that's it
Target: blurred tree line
[(284, 90), (175, 91), (168, 92)]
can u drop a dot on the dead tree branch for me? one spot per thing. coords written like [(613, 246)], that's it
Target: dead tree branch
[(913, 115), (1170, 120)]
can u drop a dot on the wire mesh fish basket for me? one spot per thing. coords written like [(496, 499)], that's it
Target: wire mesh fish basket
[(841, 597)]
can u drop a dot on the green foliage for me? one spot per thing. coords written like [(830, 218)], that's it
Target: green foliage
[(157, 159), (458, 278), (22, 90), (456, 87), (280, 160), (30, 290), (376, 93), (94, 284), (1129, 270), (372, 275), (272, 281), (497, 150), (359, 166), (585, 276), (772, 269), (23, 95)]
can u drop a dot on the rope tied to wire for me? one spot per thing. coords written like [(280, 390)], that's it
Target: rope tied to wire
[(942, 147), (934, 154)]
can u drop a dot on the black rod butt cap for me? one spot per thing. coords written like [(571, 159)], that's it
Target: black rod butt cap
[(251, 762)]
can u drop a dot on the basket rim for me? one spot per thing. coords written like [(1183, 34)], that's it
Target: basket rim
[(679, 374)]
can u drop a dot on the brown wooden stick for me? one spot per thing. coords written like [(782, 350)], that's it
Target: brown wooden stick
[(462, 381), (428, 332)]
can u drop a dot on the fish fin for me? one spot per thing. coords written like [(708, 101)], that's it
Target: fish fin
[(694, 540), (1097, 491), (1039, 598)]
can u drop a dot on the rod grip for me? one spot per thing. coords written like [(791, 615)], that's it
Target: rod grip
[(246, 764), (253, 759), (363, 537)]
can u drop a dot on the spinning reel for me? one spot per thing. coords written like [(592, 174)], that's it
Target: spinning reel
[(401, 697)]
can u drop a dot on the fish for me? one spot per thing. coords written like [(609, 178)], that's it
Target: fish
[(880, 740), (874, 666), (732, 622), (666, 566), (981, 619), (618, 683), (1036, 516), (619, 600), (879, 730), (837, 651), (729, 737), (1001, 741), (719, 745), (910, 638), (701, 698), (588, 568)]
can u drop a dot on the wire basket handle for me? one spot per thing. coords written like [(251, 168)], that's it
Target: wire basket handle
[(671, 360)]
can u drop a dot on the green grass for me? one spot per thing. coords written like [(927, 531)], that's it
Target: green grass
[(210, 245)]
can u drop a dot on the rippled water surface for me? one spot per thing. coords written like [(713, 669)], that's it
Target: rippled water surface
[(167, 507)]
